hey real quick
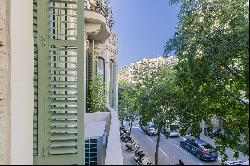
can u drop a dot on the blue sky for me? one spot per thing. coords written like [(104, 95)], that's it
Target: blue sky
[(143, 27)]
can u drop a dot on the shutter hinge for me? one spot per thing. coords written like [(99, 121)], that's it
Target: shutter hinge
[(44, 150), (43, 40)]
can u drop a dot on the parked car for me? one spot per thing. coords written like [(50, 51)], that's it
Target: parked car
[(172, 130), (201, 149), (150, 129), (237, 162)]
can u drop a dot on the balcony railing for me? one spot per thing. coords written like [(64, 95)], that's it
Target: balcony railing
[(103, 7)]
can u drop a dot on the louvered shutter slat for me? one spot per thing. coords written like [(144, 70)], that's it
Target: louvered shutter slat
[(63, 69), (63, 102), (63, 96), (63, 89), (60, 137), (64, 116), (64, 150), (63, 143), (63, 123), (63, 109), (63, 130)]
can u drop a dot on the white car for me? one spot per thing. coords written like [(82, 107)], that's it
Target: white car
[(150, 129), (173, 130), (237, 162)]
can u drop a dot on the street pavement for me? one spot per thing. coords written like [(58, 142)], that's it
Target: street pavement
[(170, 150)]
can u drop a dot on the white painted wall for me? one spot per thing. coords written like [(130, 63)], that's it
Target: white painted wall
[(96, 117), (21, 82), (114, 150)]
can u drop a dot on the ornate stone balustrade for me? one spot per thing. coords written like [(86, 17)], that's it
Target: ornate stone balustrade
[(103, 7)]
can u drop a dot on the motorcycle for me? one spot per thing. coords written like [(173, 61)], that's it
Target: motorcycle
[(143, 161), (126, 138), (131, 146), (139, 154), (123, 131)]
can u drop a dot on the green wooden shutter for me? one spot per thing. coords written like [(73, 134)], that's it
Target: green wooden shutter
[(61, 73)]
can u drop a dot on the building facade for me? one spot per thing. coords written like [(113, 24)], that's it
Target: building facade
[(46, 63)]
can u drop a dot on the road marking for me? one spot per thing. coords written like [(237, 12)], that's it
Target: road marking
[(146, 135), (163, 153), (181, 149), (200, 164), (150, 139), (135, 127), (219, 158)]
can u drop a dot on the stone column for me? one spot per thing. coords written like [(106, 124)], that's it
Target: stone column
[(107, 79), (116, 86), (5, 82)]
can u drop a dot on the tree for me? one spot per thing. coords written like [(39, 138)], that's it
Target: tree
[(128, 105), (212, 43), (96, 98), (156, 97), (121, 110)]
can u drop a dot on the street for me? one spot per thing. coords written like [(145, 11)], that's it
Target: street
[(170, 150)]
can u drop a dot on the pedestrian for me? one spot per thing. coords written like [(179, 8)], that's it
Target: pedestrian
[(180, 162)]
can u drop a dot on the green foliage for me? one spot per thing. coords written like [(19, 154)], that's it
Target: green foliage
[(96, 98), (212, 43), (156, 96), (128, 105)]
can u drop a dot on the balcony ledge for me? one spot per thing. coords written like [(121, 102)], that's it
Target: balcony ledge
[(101, 32)]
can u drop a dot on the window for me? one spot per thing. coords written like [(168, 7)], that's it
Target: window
[(91, 152), (206, 146), (101, 68)]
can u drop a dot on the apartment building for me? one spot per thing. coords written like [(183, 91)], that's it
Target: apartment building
[(128, 73), (49, 51)]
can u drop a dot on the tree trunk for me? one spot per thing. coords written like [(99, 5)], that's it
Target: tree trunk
[(130, 128), (157, 146), (122, 122)]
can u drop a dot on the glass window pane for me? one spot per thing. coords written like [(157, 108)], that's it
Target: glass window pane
[(93, 141), (101, 67)]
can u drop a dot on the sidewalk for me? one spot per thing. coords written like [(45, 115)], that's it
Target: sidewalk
[(128, 157), (229, 152)]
